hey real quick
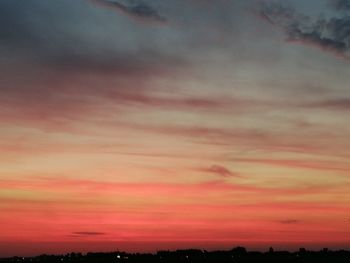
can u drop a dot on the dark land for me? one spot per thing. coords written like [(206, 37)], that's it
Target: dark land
[(236, 255)]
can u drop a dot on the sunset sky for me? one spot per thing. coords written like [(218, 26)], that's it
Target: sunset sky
[(145, 125)]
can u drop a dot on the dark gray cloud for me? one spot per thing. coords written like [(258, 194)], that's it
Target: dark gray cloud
[(332, 34), (340, 5), (52, 42), (81, 33), (16, 25), (140, 10), (69, 56), (72, 35)]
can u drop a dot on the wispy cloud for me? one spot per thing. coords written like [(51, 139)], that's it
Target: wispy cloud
[(140, 11), (219, 171), (300, 164), (289, 221), (331, 35), (335, 104), (153, 188)]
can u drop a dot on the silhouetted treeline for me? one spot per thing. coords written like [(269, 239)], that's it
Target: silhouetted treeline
[(236, 255)]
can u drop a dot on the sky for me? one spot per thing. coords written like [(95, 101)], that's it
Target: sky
[(145, 125)]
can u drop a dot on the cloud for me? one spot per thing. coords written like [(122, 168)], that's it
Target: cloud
[(55, 74), (336, 104), (340, 5), (58, 73), (289, 221), (68, 35), (300, 164), (84, 233), (220, 171), (331, 35), (89, 187), (140, 11)]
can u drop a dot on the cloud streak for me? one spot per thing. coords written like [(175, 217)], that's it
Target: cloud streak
[(300, 164), (220, 171), (153, 188), (289, 221), (342, 104), (140, 11), (84, 233)]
